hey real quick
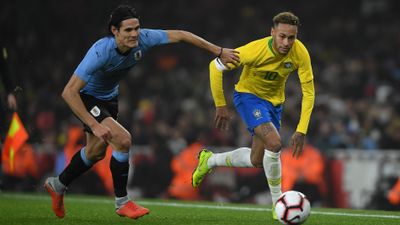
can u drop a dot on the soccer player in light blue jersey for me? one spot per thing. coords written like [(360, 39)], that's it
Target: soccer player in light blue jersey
[(92, 94)]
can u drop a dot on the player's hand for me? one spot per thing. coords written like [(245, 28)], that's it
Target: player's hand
[(101, 132), (12, 101), (229, 56), (297, 143), (221, 118)]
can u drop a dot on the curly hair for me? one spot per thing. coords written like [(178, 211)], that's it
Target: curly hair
[(121, 13), (286, 18)]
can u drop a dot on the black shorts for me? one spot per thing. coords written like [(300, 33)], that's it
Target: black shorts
[(99, 109)]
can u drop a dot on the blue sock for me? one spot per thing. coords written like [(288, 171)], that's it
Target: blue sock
[(84, 158)]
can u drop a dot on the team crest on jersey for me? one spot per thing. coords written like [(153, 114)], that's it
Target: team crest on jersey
[(138, 55), (95, 111), (257, 114), (288, 65)]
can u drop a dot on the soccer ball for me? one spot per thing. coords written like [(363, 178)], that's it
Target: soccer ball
[(292, 207)]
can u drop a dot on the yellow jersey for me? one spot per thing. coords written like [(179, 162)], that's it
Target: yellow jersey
[(265, 73)]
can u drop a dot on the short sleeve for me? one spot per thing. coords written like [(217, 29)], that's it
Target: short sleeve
[(151, 37), (93, 61)]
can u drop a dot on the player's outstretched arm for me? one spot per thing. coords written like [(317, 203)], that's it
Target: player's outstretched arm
[(227, 55), (222, 116)]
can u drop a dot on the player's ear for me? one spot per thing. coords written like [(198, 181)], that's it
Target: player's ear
[(272, 31), (114, 30)]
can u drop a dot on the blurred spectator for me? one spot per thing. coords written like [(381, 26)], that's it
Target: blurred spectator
[(26, 173), (152, 172), (8, 100), (304, 174), (182, 166), (355, 113), (394, 194), (391, 139)]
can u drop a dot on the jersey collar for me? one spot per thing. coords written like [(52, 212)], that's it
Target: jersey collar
[(271, 47), (115, 46), (276, 54)]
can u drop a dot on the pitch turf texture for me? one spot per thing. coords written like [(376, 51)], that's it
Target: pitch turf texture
[(26, 209)]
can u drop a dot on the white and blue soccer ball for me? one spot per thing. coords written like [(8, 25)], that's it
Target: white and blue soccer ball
[(292, 207)]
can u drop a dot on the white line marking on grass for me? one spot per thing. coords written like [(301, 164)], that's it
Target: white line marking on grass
[(191, 205), (239, 208), (356, 215)]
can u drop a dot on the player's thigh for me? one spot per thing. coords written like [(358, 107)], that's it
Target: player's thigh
[(269, 135), (121, 139), (95, 147)]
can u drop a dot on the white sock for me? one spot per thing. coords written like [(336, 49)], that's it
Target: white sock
[(272, 169), (236, 158), (59, 187), (131, 170), (120, 201)]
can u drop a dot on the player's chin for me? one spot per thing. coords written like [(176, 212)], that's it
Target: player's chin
[(132, 44), (284, 51)]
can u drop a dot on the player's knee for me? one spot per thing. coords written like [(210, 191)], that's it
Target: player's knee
[(125, 144), (274, 146), (256, 161), (95, 156), (100, 156)]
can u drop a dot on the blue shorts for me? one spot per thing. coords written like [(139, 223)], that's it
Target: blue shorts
[(256, 111)]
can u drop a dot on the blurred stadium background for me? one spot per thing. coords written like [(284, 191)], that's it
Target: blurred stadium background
[(352, 157)]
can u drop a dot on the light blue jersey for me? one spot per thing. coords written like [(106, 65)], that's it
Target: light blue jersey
[(103, 67)]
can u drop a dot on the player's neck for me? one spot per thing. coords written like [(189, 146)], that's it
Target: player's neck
[(275, 51), (125, 53), (120, 48), (123, 50)]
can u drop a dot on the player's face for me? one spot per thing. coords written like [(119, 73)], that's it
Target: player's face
[(127, 36), (283, 36)]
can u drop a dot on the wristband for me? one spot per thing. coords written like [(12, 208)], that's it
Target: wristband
[(220, 53)]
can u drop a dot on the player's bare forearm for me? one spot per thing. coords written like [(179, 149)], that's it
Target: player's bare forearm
[(227, 55), (72, 97), (74, 101), (185, 36)]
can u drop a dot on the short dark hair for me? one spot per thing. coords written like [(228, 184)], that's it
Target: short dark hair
[(286, 18), (121, 13)]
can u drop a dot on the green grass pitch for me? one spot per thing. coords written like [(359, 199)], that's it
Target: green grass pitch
[(27, 209)]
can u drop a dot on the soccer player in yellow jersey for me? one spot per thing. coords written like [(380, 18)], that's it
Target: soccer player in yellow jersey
[(258, 97)]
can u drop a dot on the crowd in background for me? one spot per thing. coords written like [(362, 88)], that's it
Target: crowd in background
[(165, 101)]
